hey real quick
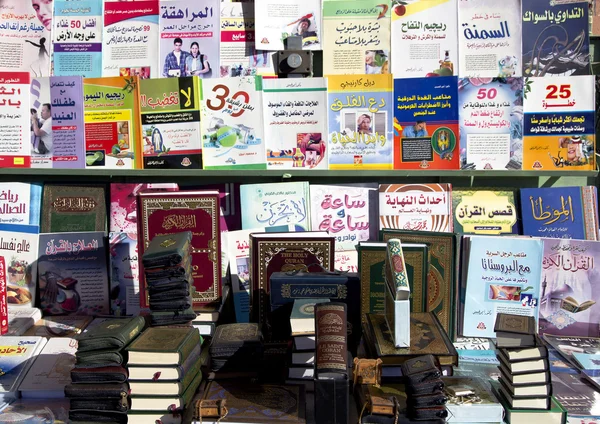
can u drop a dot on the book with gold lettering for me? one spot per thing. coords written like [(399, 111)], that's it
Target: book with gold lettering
[(195, 211), (73, 209)]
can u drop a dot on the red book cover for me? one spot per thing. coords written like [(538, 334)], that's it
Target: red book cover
[(3, 299), (195, 211), (284, 252)]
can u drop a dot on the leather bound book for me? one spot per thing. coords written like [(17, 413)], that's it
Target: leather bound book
[(73, 209), (170, 318), (100, 358), (163, 345), (236, 346), (515, 330), (331, 340), (111, 334), (395, 270), (99, 375), (194, 211), (167, 250)]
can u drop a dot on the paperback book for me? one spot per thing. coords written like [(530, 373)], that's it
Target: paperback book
[(19, 252), (124, 274), (20, 205), (15, 120), (18, 354), (485, 212)]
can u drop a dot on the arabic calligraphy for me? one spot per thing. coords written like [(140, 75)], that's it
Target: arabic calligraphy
[(288, 211), (541, 213), (572, 263)]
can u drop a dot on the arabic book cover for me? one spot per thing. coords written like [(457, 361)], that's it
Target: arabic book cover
[(17, 354), (424, 38), (503, 277), (231, 123), (559, 129), (555, 38), (20, 206), (560, 212), (170, 123), (295, 123), (426, 123), (77, 38), (489, 36), (111, 122), (490, 122), (19, 251), (485, 211), (130, 39), (570, 287), (72, 274), (16, 122), (124, 274), (360, 121)]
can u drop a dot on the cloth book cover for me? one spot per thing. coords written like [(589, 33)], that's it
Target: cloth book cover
[(124, 274), (276, 204), (490, 120), (195, 211), (424, 38), (15, 119), (73, 209), (568, 305), (232, 131), (559, 130), (130, 39), (426, 123), (360, 121), (295, 123), (503, 276), (485, 212), (19, 253), (170, 123), (416, 207), (565, 212), (77, 38), (357, 37), (20, 206), (489, 38), (549, 27), (72, 274), (57, 122), (17, 354)]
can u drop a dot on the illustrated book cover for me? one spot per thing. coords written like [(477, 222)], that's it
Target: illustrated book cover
[(485, 211)]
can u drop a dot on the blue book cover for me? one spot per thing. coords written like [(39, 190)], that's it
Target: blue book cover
[(555, 38), (588, 361), (275, 204), (503, 277), (16, 355), (553, 212), (20, 205)]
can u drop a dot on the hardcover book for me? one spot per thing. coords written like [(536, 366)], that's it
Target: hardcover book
[(170, 122), (195, 211), (395, 271), (302, 318), (111, 334), (163, 346), (174, 405), (72, 273), (73, 208), (426, 122), (565, 212), (19, 253), (360, 121), (485, 212), (331, 343), (441, 272), (15, 86), (503, 276), (416, 207), (163, 372), (124, 274), (20, 205), (18, 354), (167, 388)]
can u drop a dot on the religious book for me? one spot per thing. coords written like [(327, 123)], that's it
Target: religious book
[(124, 274), (524, 379), (302, 319), (17, 354), (163, 345), (111, 334), (69, 208), (485, 211), (164, 372), (515, 330), (195, 211), (173, 404), (167, 388), (20, 206), (331, 343)]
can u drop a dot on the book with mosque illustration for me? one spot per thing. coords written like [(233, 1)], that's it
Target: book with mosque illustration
[(426, 123)]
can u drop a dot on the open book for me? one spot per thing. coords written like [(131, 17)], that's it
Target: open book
[(571, 305)]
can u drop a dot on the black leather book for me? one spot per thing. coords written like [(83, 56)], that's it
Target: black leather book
[(99, 375), (172, 318), (167, 287), (111, 334), (100, 358), (167, 250)]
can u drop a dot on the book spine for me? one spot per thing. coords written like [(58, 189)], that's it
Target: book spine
[(395, 270), (192, 340), (3, 299), (331, 338), (590, 211)]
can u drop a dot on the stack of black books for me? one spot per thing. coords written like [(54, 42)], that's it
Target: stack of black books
[(424, 389), (168, 271), (524, 368), (99, 390), (237, 350)]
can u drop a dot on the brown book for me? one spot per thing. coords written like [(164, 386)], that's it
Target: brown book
[(73, 209), (515, 331), (331, 339)]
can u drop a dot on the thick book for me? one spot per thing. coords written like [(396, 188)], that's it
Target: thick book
[(331, 342), (73, 208), (21, 320), (528, 402), (555, 413), (167, 250), (485, 211), (160, 373), (19, 253), (395, 271), (17, 356), (524, 379), (111, 334), (510, 329), (172, 404), (195, 211), (532, 390), (526, 353), (163, 345), (167, 388), (302, 319), (523, 367)]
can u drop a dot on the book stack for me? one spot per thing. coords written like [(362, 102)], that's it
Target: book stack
[(168, 271), (98, 389), (164, 373), (237, 350), (524, 381), (424, 390)]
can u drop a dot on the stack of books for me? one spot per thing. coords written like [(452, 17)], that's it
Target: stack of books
[(524, 382), (168, 271), (164, 373), (98, 389), (425, 397)]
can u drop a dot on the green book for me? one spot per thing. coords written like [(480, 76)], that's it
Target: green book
[(73, 209), (163, 346), (302, 318), (167, 388), (484, 211), (111, 334), (371, 268), (557, 414)]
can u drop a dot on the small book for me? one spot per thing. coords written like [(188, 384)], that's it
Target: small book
[(523, 402), (166, 388), (515, 330), (166, 372), (302, 319), (167, 250), (111, 334), (522, 367), (569, 304), (528, 353), (163, 346), (541, 377)]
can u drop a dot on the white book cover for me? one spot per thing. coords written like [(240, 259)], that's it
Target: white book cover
[(130, 38), (51, 371), (16, 357), (22, 319), (424, 38), (15, 119), (20, 254), (231, 124), (278, 19), (20, 204), (295, 121), (25, 36), (489, 38)]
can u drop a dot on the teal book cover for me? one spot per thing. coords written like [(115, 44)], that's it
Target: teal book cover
[(504, 276)]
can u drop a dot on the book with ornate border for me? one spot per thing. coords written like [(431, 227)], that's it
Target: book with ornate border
[(71, 208), (195, 211)]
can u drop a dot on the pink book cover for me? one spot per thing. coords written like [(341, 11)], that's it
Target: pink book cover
[(123, 209)]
